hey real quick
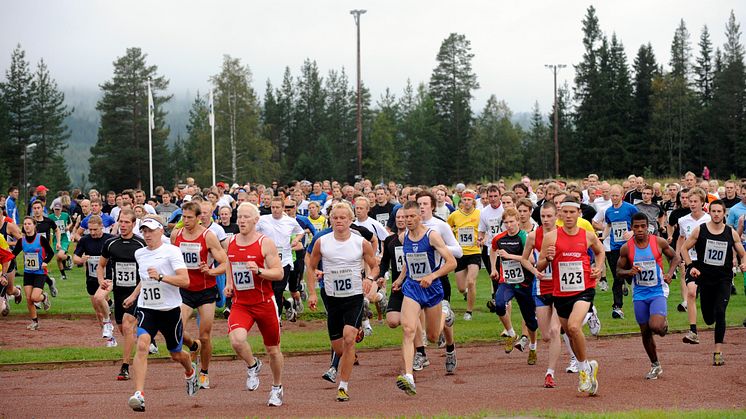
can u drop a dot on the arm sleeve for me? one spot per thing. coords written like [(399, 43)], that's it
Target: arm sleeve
[(383, 267), (450, 240), (48, 252), (19, 247)]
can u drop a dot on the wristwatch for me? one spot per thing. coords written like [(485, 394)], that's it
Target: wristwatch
[(258, 271), (160, 277)]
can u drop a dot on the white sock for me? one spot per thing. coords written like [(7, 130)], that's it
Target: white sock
[(343, 385), (583, 365), (532, 346), (550, 372), (410, 377), (366, 323), (511, 332), (381, 296)]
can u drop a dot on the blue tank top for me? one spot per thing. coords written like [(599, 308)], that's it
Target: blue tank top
[(419, 256), (33, 256), (649, 283)]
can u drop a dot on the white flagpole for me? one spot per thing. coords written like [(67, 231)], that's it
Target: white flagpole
[(212, 129), (151, 125)]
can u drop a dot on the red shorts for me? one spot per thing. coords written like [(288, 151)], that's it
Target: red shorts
[(263, 314)]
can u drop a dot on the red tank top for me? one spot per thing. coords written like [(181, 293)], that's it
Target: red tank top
[(546, 285), (571, 267), (195, 252), (248, 288)]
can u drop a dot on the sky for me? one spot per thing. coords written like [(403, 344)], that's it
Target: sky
[(511, 40)]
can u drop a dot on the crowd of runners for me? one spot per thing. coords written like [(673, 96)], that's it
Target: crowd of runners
[(262, 254)]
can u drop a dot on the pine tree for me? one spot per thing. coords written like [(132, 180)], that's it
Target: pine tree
[(304, 144), (119, 159), (646, 69), (538, 146), (16, 93), (682, 97), (382, 159), (451, 85), (421, 134), (495, 150), (704, 70), (196, 148)]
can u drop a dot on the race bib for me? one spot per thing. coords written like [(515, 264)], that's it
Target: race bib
[(512, 271), (286, 253), (715, 252), (190, 252), (466, 236), (494, 224), (125, 274), (92, 265), (647, 276), (651, 228), (547, 273), (418, 265), (152, 294), (31, 261), (692, 254), (399, 256), (340, 282), (62, 225), (618, 228), (571, 276), (383, 218), (243, 278)]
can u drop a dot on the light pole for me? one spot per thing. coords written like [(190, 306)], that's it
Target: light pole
[(356, 14), (26, 150), (554, 68)]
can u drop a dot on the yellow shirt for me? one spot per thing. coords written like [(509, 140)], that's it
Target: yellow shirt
[(464, 227), (582, 223), (319, 223)]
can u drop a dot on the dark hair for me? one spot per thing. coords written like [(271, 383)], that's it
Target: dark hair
[(411, 205), (12, 188), (493, 188), (191, 206), (718, 202), (520, 186), (549, 205), (433, 201), (638, 216)]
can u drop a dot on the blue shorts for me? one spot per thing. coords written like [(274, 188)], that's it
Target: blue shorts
[(543, 300), (426, 297), (646, 308)]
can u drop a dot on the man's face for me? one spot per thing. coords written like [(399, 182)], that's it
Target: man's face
[(570, 216), (189, 218), (511, 224), (426, 206), (290, 208), (37, 210), (126, 224), (494, 198), (507, 202), (684, 200), (152, 237), (225, 215), (276, 207), (401, 221), (717, 213), (468, 202), (520, 193), (730, 190), (166, 198), (380, 197), (85, 206), (316, 188), (640, 229), (14, 193), (94, 195), (96, 207), (341, 220), (548, 218), (206, 213), (111, 199), (616, 196), (361, 210), (647, 196), (139, 198), (695, 203), (524, 213), (690, 181), (96, 230), (412, 218), (245, 221), (126, 199)]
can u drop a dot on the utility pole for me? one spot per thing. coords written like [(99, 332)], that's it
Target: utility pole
[(554, 68), (356, 14)]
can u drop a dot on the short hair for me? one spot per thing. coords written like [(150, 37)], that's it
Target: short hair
[(313, 204), (700, 193), (191, 206), (512, 196), (12, 188), (510, 212), (345, 207), (549, 205), (493, 188), (520, 186), (411, 205), (718, 202), (96, 201), (648, 187), (251, 207), (433, 200), (362, 199), (638, 216), (524, 202), (95, 219), (127, 211), (572, 199), (37, 201)]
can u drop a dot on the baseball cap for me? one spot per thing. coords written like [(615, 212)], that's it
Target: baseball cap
[(150, 223), (460, 187), (56, 205), (187, 198), (41, 188), (221, 185), (234, 186)]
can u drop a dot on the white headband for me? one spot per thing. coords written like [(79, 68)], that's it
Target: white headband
[(570, 204)]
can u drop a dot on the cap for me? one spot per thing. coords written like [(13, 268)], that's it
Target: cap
[(460, 187), (150, 223), (234, 186), (187, 198), (221, 185), (57, 205), (41, 188)]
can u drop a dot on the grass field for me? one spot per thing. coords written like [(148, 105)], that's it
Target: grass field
[(485, 327)]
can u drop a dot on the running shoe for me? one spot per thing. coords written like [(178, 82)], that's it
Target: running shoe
[(441, 340), (603, 285), (572, 367), (367, 330), (111, 342), (291, 315), (46, 303), (111, 304), (384, 302), (330, 375), (450, 362), (549, 381), (467, 317), (681, 307), (450, 316), (655, 372), (717, 359), (691, 337), (107, 330), (204, 380), (298, 306), (252, 375), (153, 349), (69, 263), (124, 373), (509, 344), (275, 397), (491, 305), (37, 305), (584, 382), (137, 402), (424, 338), (53, 286), (594, 323), (342, 395), (504, 334), (532, 357), (617, 313), (593, 377), (406, 384), (63, 276), (194, 354), (19, 295), (521, 343), (192, 382), (33, 326), (4, 306), (420, 362)]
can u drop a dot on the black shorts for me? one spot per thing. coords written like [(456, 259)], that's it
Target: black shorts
[(464, 261), (296, 275), (343, 311), (121, 294), (12, 267), (395, 300), (34, 280), (564, 305), (195, 299), (91, 285), (167, 322)]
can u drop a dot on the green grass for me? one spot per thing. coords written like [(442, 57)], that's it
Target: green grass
[(485, 327)]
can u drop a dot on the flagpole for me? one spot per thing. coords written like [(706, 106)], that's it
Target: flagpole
[(212, 129), (151, 118)]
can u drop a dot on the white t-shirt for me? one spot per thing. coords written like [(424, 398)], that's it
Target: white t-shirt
[(215, 228), (280, 231), (687, 224), (446, 233), (377, 228), (225, 201), (166, 259), (490, 220)]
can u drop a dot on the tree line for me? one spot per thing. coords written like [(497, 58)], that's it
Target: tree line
[(617, 118)]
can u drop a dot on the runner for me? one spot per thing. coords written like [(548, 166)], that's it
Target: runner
[(253, 264), (420, 284), (47, 229), (640, 258), (715, 244), (199, 247), (618, 220), (11, 234), (464, 223), (393, 259), (162, 272), (343, 254), (87, 253), (36, 255), (62, 220), (490, 219), (121, 278), (574, 281), (654, 212)]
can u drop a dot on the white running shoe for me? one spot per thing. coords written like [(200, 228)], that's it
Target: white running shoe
[(111, 342), (108, 330), (153, 349), (420, 362), (572, 367), (275, 397), (450, 317), (467, 316), (594, 323), (137, 402), (367, 330), (252, 375)]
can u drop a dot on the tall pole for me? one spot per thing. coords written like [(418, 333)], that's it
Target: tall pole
[(211, 120), (151, 117), (356, 14), (554, 68)]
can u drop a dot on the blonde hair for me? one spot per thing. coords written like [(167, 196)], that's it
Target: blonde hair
[(343, 206), (253, 210)]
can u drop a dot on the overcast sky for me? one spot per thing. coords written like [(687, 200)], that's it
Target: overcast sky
[(511, 40)]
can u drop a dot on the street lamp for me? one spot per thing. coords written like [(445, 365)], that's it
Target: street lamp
[(554, 68), (26, 150), (356, 14)]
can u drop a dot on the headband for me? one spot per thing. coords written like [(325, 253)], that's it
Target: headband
[(468, 195), (570, 204)]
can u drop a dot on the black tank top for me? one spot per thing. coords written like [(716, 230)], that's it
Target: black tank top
[(715, 253)]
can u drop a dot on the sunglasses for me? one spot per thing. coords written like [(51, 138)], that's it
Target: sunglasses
[(289, 207)]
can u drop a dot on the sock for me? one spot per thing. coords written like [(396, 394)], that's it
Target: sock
[(550, 372), (35, 320), (511, 332), (693, 328), (381, 296), (421, 349), (250, 367), (583, 365), (656, 363), (532, 346), (205, 371), (468, 312), (450, 348), (366, 323), (410, 376), (125, 365), (274, 387), (343, 385), (107, 319)]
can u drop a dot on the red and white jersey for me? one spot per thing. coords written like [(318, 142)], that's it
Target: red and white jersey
[(248, 288), (195, 252), (571, 267)]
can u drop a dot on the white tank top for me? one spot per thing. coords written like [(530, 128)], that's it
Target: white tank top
[(342, 263)]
